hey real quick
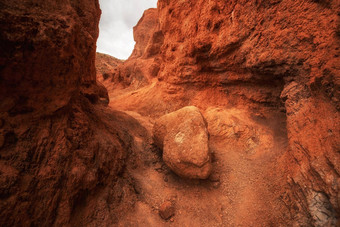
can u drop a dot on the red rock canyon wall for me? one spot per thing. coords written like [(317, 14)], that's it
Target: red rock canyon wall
[(59, 154)]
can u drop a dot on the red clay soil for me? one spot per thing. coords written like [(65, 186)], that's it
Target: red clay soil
[(264, 74)]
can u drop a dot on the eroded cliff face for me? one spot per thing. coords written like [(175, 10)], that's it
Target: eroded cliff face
[(276, 60), (265, 53), (106, 68), (61, 150), (142, 67), (47, 44)]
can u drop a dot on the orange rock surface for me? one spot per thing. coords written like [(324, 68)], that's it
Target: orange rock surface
[(264, 74)]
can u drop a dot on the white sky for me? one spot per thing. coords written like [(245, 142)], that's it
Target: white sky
[(116, 25)]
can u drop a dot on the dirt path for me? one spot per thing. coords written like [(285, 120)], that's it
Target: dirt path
[(243, 190)]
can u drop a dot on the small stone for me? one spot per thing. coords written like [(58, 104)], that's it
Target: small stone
[(334, 99), (165, 178), (214, 177), (166, 210), (172, 219), (104, 101), (216, 184), (137, 188)]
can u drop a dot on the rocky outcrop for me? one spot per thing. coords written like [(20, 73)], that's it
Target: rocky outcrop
[(143, 64), (312, 124), (183, 137), (106, 68)]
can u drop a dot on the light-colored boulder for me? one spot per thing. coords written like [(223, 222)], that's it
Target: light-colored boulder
[(183, 137)]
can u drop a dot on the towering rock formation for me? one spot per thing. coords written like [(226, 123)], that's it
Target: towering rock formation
[(58, 151)]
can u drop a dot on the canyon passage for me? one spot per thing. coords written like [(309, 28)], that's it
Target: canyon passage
[(225, 114)]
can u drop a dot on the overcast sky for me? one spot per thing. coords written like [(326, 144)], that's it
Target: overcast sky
[(116, 25)]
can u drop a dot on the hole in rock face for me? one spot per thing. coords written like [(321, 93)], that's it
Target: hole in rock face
[(105, 76), (116, 25)]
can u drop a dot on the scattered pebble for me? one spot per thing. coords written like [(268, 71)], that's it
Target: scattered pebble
[(159, 170), (216, 184), (214, 177), (137, 188), (166, 210), (334, 99)]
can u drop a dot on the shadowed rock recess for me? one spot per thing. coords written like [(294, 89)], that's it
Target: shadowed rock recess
[(264, 76)]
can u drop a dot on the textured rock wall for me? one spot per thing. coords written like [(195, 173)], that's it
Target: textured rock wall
[(59, 154), (269, 52), (47, 44), (254, 42)]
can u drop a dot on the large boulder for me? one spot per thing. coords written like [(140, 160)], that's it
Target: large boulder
[(183, 136)]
